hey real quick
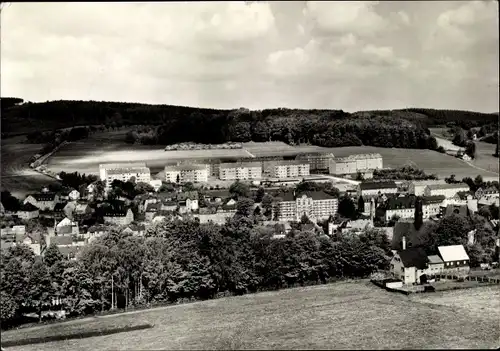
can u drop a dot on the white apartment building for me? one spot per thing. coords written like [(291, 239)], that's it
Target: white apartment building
[(417, 187), (356, 163), (431, 205), (290, 169), (403, 207), (318, 161), (184, 173), (124, 172), (240, 171), (315, 204), (447, 190)]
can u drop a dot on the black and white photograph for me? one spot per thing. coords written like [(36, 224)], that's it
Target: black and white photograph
[(235, 175)]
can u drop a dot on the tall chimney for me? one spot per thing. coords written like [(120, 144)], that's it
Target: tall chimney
[(404, 242)]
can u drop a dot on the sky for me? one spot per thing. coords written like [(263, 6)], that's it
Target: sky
[(300, 54)]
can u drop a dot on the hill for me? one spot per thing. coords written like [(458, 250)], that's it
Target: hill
[(171, 124)]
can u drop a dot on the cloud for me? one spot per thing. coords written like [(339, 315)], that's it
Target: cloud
[(349, 55)]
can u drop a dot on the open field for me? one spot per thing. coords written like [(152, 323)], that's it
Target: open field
[(355, 315), (484, 151), (16, 176)]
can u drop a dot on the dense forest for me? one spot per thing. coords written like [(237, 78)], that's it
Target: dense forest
[(173, 124)]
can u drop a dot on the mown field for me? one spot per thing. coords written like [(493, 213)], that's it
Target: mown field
[(16, 176), (353, 315), (86, 155)]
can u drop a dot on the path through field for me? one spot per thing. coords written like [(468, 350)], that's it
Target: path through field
[(353, 315)]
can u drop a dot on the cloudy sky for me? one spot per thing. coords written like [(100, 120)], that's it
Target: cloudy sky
[(341, 55)]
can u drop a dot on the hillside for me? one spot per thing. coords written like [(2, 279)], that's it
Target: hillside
[(172, 124)]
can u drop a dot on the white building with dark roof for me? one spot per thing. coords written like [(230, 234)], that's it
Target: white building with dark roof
[(43, 201), (455, 258), (417, 187), (447, 190), (119, 217), (370, 189), (356, 163)]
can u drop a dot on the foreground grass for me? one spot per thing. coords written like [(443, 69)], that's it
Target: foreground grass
[(336, 316)]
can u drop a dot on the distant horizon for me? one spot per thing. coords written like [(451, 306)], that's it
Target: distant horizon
[(349, 55), (260, 109)]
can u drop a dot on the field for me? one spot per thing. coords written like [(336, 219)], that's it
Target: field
[(355, 315), (85, 156), (16, 176), (484, 151)]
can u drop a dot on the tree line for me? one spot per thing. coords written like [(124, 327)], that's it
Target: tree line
[(182, 260), (172, 124)]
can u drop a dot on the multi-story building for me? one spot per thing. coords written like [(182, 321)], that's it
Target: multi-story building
[(119, 217), (319, 162), (290, 169), (240, 171), (370, 189), (431, 205), (184, 173), (356, 163), (417, 187), (315, 204), (447, 190), (124, 172), (402, 207), (487, 193)]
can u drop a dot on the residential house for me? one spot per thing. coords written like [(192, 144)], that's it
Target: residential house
[(488, 201), (409, 265), (447, 190), (58, 211), (357, 226), (212, 215), (27, 211), (10, 233), (156, 184), (402, 207), (169, 206), (417, 187), (119, 217), (67, 227), (33, 244), (372, 189), (431, 205), (82, 209), (455, 258), (486, 193), (43, 201), (151, 210), (74, 195), (31, 240), (435, 265)]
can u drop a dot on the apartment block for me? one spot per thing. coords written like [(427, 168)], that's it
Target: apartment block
[(447, 190), (186, 173), (318, 161), (124, 172), (240, 171), (356, 163), (290, 169)]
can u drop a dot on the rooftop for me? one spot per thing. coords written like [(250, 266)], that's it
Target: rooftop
[(128, 170), (453, 253), (448, 186), (44, 196), (435, 199), (28, 207), (359, 157), (434, 259), (377, 185), (121, 165), (316, 195), (402, 202), (240, 165), (186, 167), (414, 257)]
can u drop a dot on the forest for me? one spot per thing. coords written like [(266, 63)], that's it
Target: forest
[(171, 124)]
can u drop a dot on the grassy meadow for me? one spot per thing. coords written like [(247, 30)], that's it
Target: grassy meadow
[(347, 315), (16, 175)]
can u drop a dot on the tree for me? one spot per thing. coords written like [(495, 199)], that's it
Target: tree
[(52, 255), (359, 176), (347, 209), (239, 189), (485, 212), (8, 307), (77, 290), (470, 149), (40, 286), (460, 137), (361, 205), (178, 179), (143, 188), (244, 206), (419, 214), (451, 180), (188, 186), (259, 195), (267, 205), (10, 203)]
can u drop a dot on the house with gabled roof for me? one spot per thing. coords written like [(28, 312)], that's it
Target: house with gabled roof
[(455, 258), (447, 190), (43, 201), (119, 217), (370, 189), (27, 211)]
